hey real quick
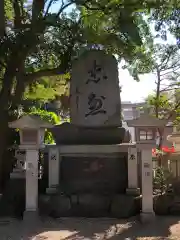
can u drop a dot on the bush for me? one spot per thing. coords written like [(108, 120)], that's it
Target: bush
[(48, 117), (162, 180)]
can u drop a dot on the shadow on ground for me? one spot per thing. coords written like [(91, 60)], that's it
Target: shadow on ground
[(82, 228)]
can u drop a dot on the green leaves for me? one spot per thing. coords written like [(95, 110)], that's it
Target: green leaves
[(166, 18), (45, 40), (45, 115), (119, 30), (162, 102), (162, 180), (48, 88), (128, 26), (9, 13), (48, 117)]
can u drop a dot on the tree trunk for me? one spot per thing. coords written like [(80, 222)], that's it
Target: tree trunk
[(4, 141), (2, 18), (6, 154), (157, 94), (159, 147)]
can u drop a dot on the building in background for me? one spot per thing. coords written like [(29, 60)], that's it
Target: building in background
[(132, 111)]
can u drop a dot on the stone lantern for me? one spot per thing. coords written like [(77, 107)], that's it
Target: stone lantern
[(145, 132), (145, 129), (31, 130)]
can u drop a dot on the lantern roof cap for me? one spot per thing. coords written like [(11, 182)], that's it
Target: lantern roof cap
[(146, 120), (30, 122)]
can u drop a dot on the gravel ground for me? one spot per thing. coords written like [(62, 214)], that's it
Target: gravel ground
[(163, 228)]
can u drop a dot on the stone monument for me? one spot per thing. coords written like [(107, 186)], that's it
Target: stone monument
[(95, 106), (95, 93), (88, 166)]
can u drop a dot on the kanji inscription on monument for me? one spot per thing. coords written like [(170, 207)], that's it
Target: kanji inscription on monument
[(94, 91), (95, 105), (95, 73)]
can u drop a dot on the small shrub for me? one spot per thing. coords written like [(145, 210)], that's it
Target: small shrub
[(162, 180), (48, 117)]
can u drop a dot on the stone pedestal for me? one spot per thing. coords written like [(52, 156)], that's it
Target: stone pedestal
[(54, 165), (18, 173), (132, 172), (147, 217), (31, 217), (147, 186), (32, 156), (93, 184)]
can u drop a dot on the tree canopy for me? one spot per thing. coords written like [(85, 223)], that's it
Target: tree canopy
[(37, 44)]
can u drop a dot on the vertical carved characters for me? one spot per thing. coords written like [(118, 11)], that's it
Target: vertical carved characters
[(94, 90), (96, 73), (95, 105)]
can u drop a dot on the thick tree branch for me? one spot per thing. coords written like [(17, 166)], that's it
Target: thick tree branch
[(164, 63), (157, 92), (7, 83), (19, 88), (2, 18), (44, 72), (17, 14), (61, 69), (172, 113), (37, 10), (17, 59)]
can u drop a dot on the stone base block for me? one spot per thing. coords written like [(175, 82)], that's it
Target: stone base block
[(162, 204), (133, 191), (18, 174), (93, 205), (90, 205), (51, 190), (54, 205), (147, 217), (70, 134), (60, 205), (125, 206), (31, 217)]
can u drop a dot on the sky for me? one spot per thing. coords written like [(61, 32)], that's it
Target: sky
[(137, 91), (130, 89)]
